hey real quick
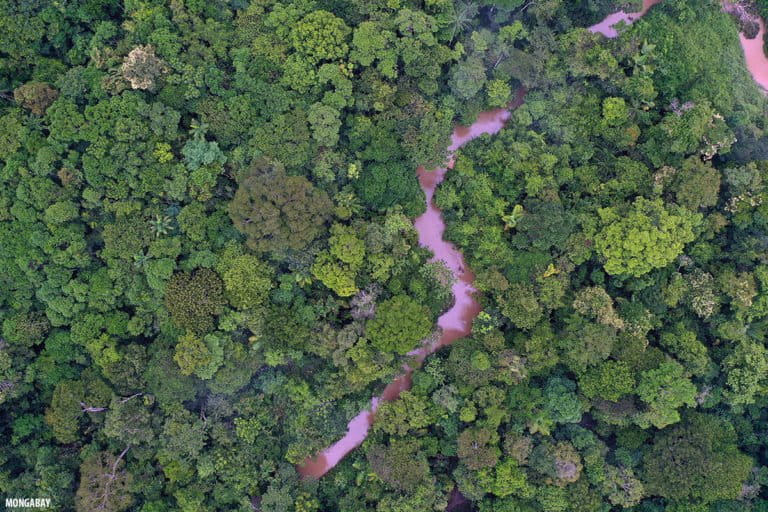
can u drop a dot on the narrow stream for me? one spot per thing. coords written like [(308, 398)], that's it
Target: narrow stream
[(453, 324), (457, 321), (607, 26)]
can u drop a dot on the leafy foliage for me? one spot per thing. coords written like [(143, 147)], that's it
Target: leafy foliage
[(704, 449), (194, 299), (647, 237), (210, 265), (278, 212), (399, 325)]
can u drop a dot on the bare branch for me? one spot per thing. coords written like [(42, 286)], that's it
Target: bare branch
[(87, 408), (112, 477), (130, 397)]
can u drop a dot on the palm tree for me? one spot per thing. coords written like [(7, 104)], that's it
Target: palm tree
[(140, 259), (461, 17), (161, 225), (640, 61), (198, 129)]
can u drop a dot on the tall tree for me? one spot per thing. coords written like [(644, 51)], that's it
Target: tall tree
[(649, 235), (105, 485), (278, 212), (697, 460)]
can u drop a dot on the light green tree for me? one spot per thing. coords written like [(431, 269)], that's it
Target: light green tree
[(247, 280), (499, 93), (400, 323), (615, 112), (746, 368), (334, 274), (325, 124), (320, 36), (665, 389), (372, 42), (337, 268), (468, 78), (648, 236), (191, 354), (610, 380)]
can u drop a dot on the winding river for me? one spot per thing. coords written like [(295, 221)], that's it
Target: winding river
[(457, 321), (453, 324)]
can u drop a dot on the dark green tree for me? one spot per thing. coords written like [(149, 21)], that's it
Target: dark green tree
[(278, 212), (194, 299), (697, 460)]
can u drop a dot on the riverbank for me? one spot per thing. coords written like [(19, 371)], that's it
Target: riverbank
[(453, 324), (752, 38)]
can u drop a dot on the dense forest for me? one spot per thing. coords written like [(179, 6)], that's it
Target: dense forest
[(209, 264)]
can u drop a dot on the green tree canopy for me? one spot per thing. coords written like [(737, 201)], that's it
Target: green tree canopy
[(320, 36), (104, 483), (401, 464), (665, 389), (278, 212), (194, 299), (648, 236), (399, 325), (697, 461)]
